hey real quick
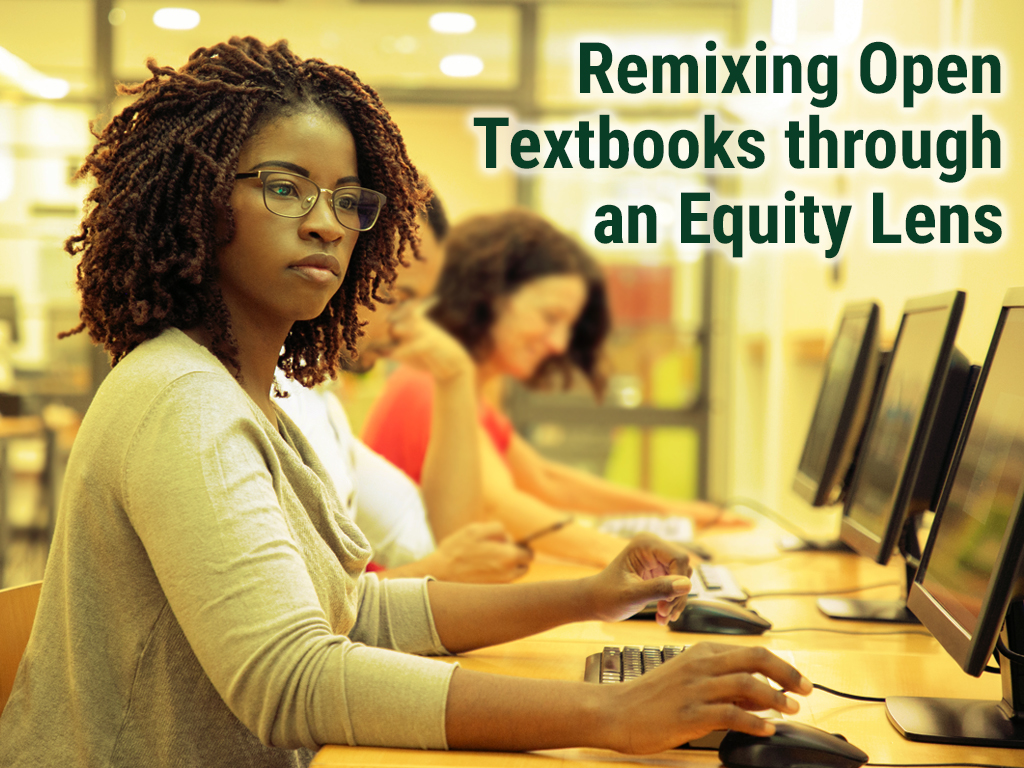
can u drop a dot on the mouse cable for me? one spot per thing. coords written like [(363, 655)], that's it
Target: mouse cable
[(853, 696), (834, 692), (799, 593), (850, 632), (935, 765)]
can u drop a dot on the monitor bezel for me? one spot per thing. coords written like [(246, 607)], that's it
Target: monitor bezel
[(854, 535), (854, 413), (973, 650)]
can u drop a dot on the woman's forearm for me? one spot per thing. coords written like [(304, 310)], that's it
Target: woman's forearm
[(515, 714), (469, 616), (450, 480), (597, 495)]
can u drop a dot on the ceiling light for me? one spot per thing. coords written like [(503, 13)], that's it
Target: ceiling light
[(452, 23), (29, 79), (176, 18), (53, 88), (462, 65)]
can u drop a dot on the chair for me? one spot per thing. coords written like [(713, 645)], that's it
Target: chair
[(17, 612)]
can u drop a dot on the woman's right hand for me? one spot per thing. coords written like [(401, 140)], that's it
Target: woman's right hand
[(481, 553), (708, 687)]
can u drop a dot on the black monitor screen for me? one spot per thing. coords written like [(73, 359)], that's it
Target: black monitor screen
[(842, 405), (897, 420), (985, 490)]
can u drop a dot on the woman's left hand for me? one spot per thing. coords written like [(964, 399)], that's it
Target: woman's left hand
[(705, 514), (647, 569)]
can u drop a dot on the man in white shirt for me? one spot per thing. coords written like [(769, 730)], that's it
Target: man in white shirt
[(401, 524)]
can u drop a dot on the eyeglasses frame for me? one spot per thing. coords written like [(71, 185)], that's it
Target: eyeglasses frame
[(261, 174)]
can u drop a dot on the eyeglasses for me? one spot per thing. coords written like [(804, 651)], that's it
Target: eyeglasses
[(293, 196)]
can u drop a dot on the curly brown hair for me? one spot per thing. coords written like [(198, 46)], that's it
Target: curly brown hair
[(165, 168), (491, 256)]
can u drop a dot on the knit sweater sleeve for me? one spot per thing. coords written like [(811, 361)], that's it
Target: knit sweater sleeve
[(250, 570)]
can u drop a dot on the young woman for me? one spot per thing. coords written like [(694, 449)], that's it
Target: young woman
[(528, 303), (204, 602)]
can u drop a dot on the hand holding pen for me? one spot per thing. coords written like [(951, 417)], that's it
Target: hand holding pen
[(556, 526)]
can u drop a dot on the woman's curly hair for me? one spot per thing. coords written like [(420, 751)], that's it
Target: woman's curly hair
[(491, 256), (165, 168)]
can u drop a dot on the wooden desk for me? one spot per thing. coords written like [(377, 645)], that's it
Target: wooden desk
[(870, 665)]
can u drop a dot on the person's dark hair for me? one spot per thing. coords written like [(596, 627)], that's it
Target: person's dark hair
[(437, 218), (165, 168), (490, 257)]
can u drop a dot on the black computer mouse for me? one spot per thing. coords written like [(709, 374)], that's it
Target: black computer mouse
[(721, 617), (793, 745)]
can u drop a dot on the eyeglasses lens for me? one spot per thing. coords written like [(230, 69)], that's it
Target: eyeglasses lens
[(294, 196)]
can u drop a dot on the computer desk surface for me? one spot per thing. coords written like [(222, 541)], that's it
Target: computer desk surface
[(870, 665)]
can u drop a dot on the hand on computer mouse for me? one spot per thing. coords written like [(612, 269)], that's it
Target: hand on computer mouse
[(647, 569), (708, 687)]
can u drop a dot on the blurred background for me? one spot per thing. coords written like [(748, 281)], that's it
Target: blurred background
[(716, 362)]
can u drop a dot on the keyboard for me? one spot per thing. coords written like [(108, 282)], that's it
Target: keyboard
[(716, 581), (673, 528), (621, 664)]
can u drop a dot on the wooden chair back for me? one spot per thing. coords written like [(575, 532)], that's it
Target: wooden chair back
[(17, 612)]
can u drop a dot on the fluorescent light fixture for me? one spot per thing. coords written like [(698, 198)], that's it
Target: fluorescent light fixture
[(29, 79), (462, 65), (784, 14), (847, 19), (53, 88), (176, 18), (452, 23)]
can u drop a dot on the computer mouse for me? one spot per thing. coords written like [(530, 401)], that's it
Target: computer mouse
[(793, 745), (720, 617)]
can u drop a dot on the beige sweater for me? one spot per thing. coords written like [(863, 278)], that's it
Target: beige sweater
[(204, 603)]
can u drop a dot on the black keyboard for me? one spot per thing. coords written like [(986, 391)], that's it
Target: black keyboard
[(619, 665)]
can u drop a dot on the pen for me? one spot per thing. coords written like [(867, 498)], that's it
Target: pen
[(545, 531)]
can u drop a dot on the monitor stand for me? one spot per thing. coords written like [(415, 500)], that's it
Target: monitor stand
[(972, 722), (892, 611)]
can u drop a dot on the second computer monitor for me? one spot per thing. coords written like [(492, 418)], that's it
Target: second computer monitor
[(906, 445), (842, 406)]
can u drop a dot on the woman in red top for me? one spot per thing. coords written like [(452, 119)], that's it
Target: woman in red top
[(527, 301)]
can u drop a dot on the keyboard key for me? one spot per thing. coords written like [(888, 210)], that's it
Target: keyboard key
[(632, 662), (611, 665)]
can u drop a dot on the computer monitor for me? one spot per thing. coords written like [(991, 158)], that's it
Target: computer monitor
[(906, 447), (969, 589), (842, 406)]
